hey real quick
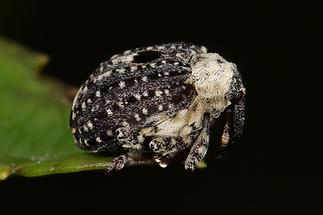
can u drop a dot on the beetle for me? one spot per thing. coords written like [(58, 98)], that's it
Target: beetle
[(158, 101)]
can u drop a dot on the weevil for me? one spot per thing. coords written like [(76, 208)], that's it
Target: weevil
[(158, 101)]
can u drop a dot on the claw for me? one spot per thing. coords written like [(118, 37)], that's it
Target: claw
[(117, 163), (161, 160), (120, 162)]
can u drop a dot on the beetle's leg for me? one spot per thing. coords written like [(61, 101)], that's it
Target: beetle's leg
[(165, 148), (118, 162), (234, 122), (132, 158), (200, 146)]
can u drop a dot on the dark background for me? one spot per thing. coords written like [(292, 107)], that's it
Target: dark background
[(275, 169)]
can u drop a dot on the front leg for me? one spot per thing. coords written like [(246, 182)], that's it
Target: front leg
[(234, 122), (199, 148), (132, 158)]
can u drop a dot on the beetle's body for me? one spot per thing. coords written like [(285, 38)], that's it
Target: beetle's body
[(158, 99)]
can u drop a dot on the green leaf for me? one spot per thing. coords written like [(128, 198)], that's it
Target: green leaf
[(35, 138)]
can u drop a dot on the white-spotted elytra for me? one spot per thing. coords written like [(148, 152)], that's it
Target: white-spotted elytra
[(158, 101)]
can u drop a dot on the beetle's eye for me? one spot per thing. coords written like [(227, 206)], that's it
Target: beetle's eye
[(146, 56)]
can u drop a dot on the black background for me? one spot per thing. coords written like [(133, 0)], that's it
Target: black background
[(275, 168)]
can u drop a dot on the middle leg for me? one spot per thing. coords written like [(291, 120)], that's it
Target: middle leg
[(199, 148), (166, 148)]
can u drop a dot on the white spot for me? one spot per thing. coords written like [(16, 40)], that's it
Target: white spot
[(120, 104), (172, 47), (98, 139), (84, 90), (160, 47), (83, 105), (158, 93), (159, 75), (73, 115), (101, 69), (137, 117), (126, 52), (183, 87), (125, 124), (98, 93), (145, 79), (75, 140), (73, 130), (121, 70), (115, 56), (137, 96), (109, 133), (104, 75), (153, 65), (145, 93), (143, 66), (145, 111), (166, 73), (176, 63), (89, 125), (95, 108), (179, 55), (160, 107), (122, 84), (85, 142), (109, 112), (79, 130), (170, 106), (163, 61), (136, 81), (133, 68), (122, 59), (149, 48), (89, 101), (85, 128), (166, 92), (114, 61)]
